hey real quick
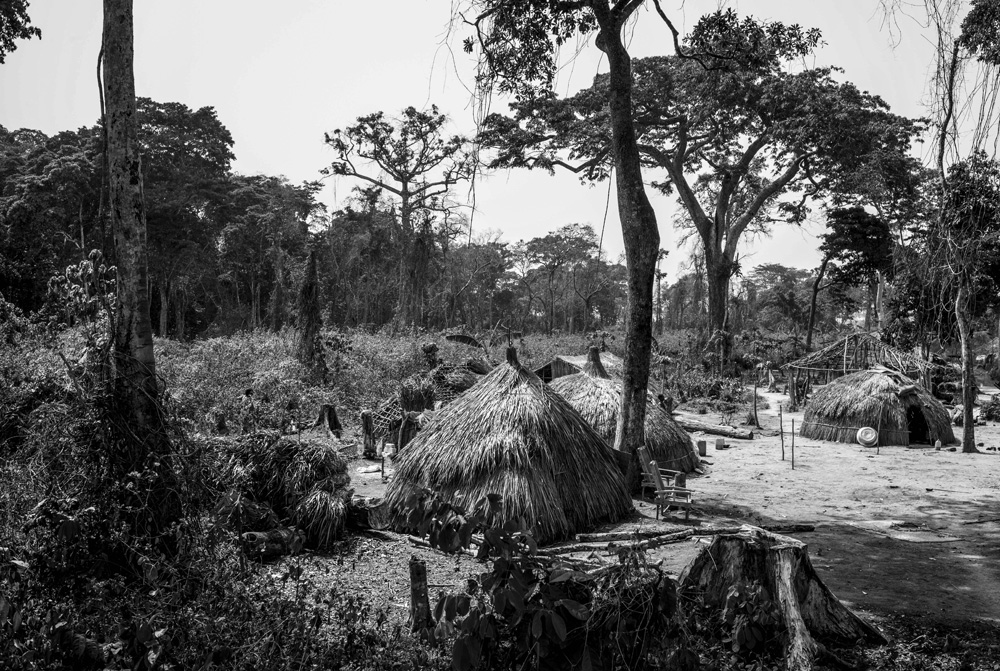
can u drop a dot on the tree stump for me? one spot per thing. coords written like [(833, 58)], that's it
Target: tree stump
[(408, 429), (812, 616), (329, 421), (420, 608), (368, 431)]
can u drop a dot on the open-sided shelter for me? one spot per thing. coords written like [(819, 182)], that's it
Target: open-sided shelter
[(900, 411), (511, 435), (563, 364), (854, 353), (597, 397)]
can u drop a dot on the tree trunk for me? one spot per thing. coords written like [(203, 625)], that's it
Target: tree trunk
[(135, 366), (810, 616), (718, 271), (968, 372), (134, 360), (164, 305), (179, 308), (642, 242), (812, 303)]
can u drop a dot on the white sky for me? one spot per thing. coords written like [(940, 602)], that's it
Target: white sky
[(282, 74)]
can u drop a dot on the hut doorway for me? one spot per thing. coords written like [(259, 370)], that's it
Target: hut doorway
[(916, 424)]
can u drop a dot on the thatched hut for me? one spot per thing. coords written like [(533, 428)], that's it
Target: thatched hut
[(513, 436), (597, 397), (900, 411), (564, 364)]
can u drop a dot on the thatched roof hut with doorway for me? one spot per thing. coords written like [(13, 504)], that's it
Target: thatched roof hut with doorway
[(563, 364), (597, 398), (511, 435), (900, 411)]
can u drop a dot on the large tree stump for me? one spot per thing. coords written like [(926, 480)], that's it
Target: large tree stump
[(420, 608), (329, 421), (368, 432), (812, 616)]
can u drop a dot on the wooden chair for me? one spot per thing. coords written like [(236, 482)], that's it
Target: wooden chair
[(668, 476), (665, 495)]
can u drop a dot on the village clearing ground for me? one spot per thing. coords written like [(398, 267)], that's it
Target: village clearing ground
[(910, 531), (902, 530)]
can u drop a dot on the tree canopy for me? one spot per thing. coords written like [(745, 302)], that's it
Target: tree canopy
[(742, 142)]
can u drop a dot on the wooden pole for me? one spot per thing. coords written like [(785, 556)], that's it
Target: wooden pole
[(793, 444), (420, 609), (781, 430), (756, 420)]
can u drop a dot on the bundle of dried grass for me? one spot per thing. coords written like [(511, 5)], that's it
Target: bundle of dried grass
[(304, 480), (597, 398), (512, 436), (322, 515), (872, 398)]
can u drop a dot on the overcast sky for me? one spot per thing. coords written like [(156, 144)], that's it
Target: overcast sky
[(282, 74)]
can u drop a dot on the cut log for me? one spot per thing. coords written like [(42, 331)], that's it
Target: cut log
[(812, 617), (714, 429), (416, 541), (267, 545)]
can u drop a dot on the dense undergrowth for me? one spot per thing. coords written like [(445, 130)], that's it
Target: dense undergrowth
[(81, 588)]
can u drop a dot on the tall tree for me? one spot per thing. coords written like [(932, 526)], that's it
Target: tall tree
[(186, 157), (134, 361), (736, 135), (518, 44), (966, 241), (857, 250), (420, 166)]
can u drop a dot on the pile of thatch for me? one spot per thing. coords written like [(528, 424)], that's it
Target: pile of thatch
[(304, 480), (597, 398), (512, 436), (877, 398)]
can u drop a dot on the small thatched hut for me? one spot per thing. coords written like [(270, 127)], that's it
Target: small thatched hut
[(597, 397), (899, 410), (563, 364), (513, 436)]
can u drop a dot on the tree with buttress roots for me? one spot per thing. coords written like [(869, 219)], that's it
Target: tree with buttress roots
[(728, 125)]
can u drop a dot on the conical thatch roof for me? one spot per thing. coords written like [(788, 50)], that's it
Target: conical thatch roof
[(597, 397), (513, 436), (900, 411)]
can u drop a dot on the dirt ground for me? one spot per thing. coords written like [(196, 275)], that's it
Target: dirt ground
[(912, 531)]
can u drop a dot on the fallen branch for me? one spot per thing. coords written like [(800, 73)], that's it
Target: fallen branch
[(612, 548), (773, 528), (621, 535)]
